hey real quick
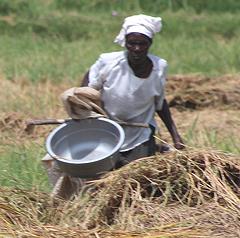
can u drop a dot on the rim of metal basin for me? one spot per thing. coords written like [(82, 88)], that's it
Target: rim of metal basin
[(112, 152)]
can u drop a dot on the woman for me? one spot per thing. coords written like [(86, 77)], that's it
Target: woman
[(132, 84)]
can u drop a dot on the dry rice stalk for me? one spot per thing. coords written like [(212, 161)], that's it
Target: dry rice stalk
[(190, 178), (56, 231), (182, 194)]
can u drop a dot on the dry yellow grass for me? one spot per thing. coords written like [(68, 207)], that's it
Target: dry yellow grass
[(22, 100), (183, 194)]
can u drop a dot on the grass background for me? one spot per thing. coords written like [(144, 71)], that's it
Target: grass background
[(56, 41), (59, 39)]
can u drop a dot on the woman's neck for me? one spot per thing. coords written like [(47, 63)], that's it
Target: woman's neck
[(141, 69)]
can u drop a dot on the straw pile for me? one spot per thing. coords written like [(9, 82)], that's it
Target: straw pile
[(191, 92), (182, 194)]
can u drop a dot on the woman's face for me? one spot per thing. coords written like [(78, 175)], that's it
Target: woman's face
[(137, 45)]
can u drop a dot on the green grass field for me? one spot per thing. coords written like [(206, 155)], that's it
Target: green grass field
[(59, 40)]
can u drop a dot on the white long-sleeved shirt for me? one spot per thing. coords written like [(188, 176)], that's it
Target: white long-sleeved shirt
[(127, 97)]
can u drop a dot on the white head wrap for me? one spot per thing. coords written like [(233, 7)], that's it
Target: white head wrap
[(144, 24)]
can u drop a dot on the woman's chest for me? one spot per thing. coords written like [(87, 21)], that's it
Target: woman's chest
[(123, 83)]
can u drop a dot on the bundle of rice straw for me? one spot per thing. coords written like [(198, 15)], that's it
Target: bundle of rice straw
[(182, 194)]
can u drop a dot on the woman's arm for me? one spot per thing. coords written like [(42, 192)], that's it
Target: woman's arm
[(166, 117)]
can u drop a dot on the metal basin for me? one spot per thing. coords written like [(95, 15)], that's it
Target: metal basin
[(86, 148)]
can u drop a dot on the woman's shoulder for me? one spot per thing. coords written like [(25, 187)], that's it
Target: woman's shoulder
[(158, 62), (112, 56)]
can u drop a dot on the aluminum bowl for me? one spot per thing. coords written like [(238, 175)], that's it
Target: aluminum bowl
[(86, 148)]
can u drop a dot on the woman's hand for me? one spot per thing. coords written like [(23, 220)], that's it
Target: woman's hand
[(178, 143)]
